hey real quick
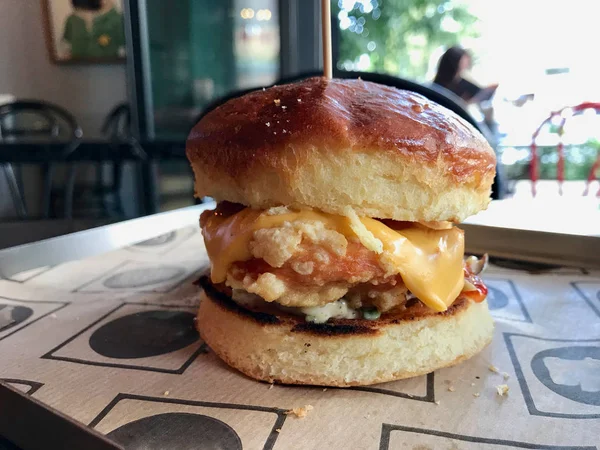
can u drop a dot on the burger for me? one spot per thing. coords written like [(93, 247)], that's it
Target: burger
[(335, 259)]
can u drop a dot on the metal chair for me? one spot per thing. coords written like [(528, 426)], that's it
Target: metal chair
[(117, 128), (434, 93), (33, 119), (564, 114), (101, 197)]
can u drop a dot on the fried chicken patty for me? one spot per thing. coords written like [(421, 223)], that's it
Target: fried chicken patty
[(305, 264)]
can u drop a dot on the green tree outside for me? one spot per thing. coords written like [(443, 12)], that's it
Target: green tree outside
[(399, 36)]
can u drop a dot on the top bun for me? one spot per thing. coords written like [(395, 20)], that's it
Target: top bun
[(330, 144)]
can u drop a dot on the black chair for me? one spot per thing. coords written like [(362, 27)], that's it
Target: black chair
[(52, 124), (434, 93), (99, 197), (117, 130), (44, 121), (14, 186)]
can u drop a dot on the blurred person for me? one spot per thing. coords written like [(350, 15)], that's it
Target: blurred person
[(451, 67)]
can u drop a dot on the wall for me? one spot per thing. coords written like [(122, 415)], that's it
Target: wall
[(87, 91)]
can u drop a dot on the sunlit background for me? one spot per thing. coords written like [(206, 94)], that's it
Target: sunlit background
[(540, 50)]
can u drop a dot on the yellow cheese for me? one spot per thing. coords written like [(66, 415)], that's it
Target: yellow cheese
[(429, 261)]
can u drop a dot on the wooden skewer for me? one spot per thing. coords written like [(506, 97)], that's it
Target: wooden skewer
[(326, 27)]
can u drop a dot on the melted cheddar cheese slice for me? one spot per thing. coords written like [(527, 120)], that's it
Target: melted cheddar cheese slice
[(429, 261)]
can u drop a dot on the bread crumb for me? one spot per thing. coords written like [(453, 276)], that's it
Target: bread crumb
[(277, 102), (277, 210), (505, 375), (451, 388), (324, 389), (366, 237), (502, 390), (303, 268), (278, 430), (437, 402), (493, 368), (476, 394), (410, 395), (166, 393), (268, 124), (300, 412), (271, 386)]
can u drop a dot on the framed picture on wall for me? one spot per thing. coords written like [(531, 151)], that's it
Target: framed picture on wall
[(84, 31)]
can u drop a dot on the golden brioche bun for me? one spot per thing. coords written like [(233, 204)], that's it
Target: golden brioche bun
[(330, 144), (286, 349)]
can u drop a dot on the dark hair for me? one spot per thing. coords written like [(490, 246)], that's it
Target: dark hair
[(90, 5), (449, 65)]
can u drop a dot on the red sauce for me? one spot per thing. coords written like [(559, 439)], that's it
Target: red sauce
[(481, 290)]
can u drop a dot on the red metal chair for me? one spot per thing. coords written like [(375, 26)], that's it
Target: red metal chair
[(564, 113)]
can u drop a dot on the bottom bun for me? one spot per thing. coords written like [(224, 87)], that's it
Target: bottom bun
[(286, 349)]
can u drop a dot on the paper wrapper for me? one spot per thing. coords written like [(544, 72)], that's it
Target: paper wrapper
[(110, 342)]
